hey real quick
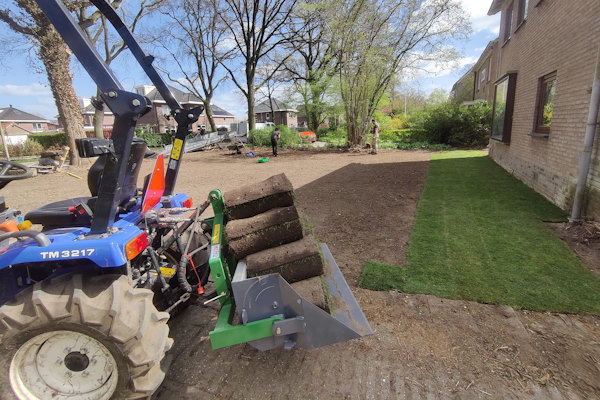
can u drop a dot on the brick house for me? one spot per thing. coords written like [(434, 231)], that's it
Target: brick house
[(484, 72), (156, 120), (88, 111), (478, 83), (546, 57), (281, 114), (20, 123)]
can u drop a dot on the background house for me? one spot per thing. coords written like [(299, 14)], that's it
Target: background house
[(546, 59), (478, 83), (17, 124), (156, 120), (484, 73), (280, 114), (88, 110)]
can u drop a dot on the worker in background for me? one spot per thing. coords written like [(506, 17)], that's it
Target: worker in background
[(274, 139), (375, 136)]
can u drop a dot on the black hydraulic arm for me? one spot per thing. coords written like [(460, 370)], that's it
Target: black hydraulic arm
[(184, 118), (126, 106)]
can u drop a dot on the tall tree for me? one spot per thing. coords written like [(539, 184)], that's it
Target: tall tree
[(375, 39), (257, 28), (314, 63), (195, 40), (30, 21)]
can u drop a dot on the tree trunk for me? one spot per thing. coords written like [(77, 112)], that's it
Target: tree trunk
[(54, 54), (98, 120), (209, 115), (251, 117)]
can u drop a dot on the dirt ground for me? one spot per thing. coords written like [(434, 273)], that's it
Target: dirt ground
[(363, 207)]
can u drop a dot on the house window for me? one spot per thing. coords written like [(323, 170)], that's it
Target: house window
[(165, 110), (482, 77), (522, 16), (545, 103), (37, 126), (508, 20), (504, 100)]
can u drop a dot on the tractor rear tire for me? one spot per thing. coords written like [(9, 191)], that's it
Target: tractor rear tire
[(82, 337)]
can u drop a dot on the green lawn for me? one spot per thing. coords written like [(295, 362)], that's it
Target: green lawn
[(479, 235)]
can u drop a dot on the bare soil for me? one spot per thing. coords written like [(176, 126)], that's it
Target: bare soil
[(363, 207)]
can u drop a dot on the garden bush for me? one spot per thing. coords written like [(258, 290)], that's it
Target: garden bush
[(29, 148), (48, 140), (262, 137), (457, 126), (156, 139)]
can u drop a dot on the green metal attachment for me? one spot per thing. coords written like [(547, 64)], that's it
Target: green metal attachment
[(216, 262), (226, 334)]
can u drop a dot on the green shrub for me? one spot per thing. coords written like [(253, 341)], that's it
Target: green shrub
[(32, 148), (335, 137), (156, 139), (28, 148), (48, 140), (262, 137), (457, 126)]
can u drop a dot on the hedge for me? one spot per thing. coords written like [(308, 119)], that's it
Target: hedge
[(48, 140)]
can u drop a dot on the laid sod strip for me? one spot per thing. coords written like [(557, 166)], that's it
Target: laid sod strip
[(377, 276), (479, 235)]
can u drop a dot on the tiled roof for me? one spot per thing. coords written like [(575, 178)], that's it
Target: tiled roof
[(187, 98), (265, 106), (219, 112), (16, 115), (182, 97), (89, 109)]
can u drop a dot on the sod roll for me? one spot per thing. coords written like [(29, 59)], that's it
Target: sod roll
[(250, 200), (269, 229), (294, 261)]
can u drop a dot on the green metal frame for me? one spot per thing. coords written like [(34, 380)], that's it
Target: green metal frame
[(225, 334)]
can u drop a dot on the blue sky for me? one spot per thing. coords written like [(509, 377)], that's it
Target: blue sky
[(24, 88)]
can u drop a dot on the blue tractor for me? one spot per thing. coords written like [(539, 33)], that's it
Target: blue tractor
[(85, 299)]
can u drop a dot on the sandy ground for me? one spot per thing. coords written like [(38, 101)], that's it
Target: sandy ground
[(363, 207)]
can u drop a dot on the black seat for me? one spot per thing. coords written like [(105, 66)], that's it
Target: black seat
[(60, 215)]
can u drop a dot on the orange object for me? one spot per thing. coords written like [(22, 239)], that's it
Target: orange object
[(156, 186), (188, 203), (308, 135), (9, 226), (136, 245)]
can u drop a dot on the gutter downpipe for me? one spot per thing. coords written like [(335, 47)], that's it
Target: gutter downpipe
[(588, 142)]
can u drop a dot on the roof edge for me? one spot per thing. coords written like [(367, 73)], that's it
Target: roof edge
[(495, 7)]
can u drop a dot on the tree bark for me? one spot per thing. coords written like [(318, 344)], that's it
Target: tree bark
[(251, 116), (209, 114), (55, 56), (98, 120)]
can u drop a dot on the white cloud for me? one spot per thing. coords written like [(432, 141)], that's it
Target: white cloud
[(232, 101), (33, 89), (481, 21)]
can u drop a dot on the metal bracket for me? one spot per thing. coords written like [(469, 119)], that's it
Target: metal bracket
[(289, 326)]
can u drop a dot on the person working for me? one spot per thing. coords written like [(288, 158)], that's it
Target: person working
[(375, 136), (274, 139)]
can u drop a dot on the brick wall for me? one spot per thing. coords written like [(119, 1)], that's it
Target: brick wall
[(561, 36)]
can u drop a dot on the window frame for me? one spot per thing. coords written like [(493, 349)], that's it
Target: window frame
[(508, 22), (539, 102), (522, 12), (509, 102)]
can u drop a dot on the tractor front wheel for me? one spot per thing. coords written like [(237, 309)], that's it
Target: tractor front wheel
[(82, 337)]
